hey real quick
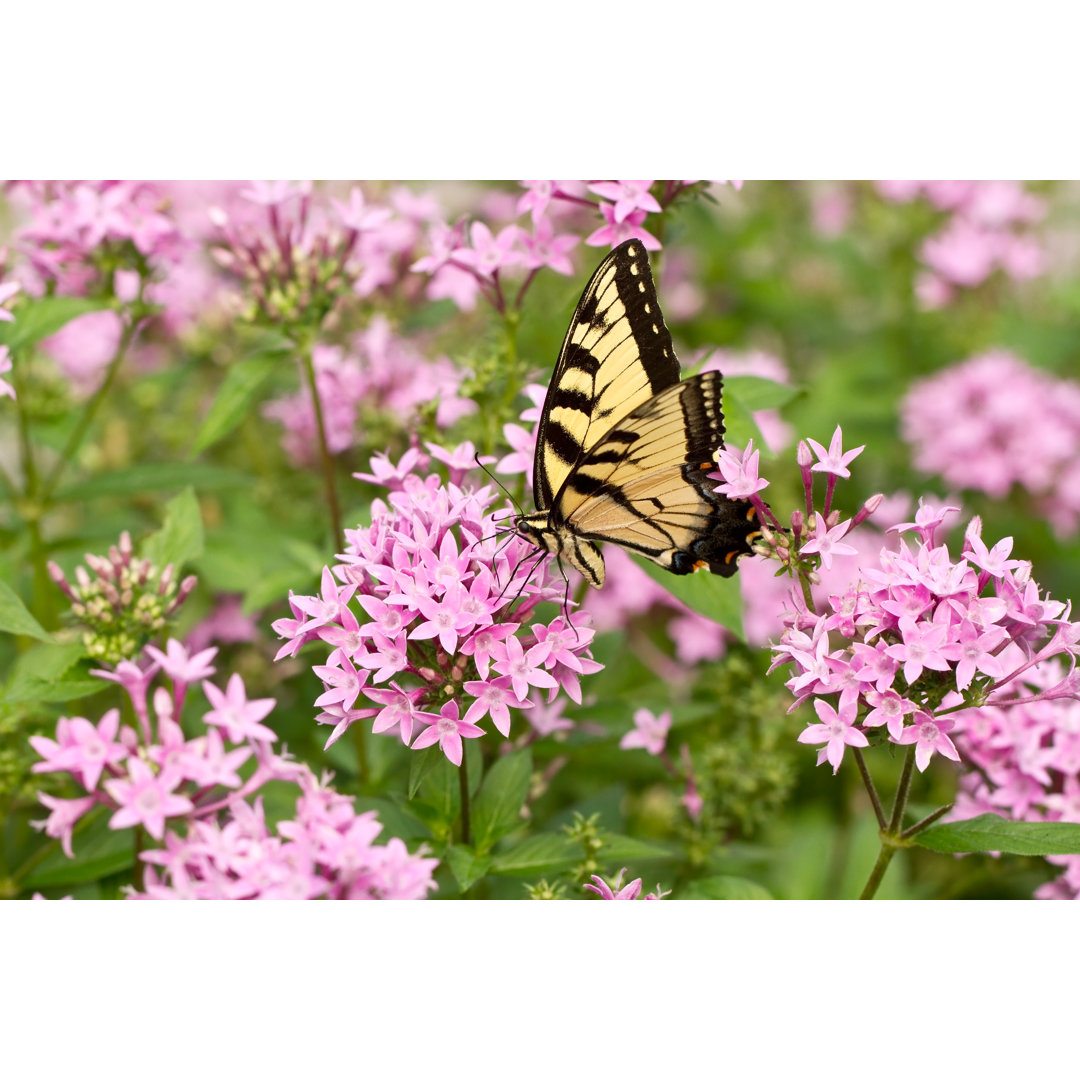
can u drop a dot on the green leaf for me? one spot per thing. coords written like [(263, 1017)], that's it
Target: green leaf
[(180, 538), (44, 317), (755, 394), (156, 476), (543, 854), (440, 789), (99, 851), (16, 619), (625, 849), (723, 887), (48, 672), (988, 832), (497, 809), (717, 598), (466, 866), (242, 382), (421, 763)]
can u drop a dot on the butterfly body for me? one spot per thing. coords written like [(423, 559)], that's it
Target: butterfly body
[(624, 447)]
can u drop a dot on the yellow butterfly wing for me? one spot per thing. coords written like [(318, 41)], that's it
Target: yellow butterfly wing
[(617, 354), (644, 486)]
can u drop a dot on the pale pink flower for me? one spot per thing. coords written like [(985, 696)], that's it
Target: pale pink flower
[(147, 798), (649, 732)]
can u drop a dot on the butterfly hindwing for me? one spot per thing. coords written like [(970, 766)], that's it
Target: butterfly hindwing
[(645, 486), (624, 448), (617, 354)]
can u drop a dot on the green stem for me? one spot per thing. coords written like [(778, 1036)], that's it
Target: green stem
[(363, 772), (892, 839), (327, 461), (463, 780), (89, 412), (926, 822), (868, 782)]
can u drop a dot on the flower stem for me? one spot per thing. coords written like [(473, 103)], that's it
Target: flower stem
[(463, 779), (363, 772), (926, 822), (78, 433), (324, 452), (868, 782), (892, 839)]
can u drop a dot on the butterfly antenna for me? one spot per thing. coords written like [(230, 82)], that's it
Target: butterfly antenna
[(506, 491), (566, 600)]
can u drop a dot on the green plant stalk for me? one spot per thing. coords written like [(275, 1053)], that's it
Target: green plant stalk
[(891, 837), (329, 483), (78, 433), (463, 780), (363, 770)]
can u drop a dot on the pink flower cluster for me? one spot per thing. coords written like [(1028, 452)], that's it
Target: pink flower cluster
[(988, 229), (151, 775), (1024, 753), (299, 252), (383, 372), (429, 624), (79, 230), (926, 637), (151, 772), (992, 422), (467, 263), (328, 850)]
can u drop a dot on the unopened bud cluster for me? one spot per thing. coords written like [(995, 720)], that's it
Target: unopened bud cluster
[(123, 601)]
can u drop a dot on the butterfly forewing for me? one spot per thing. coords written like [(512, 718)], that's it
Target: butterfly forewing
[(617, 354)]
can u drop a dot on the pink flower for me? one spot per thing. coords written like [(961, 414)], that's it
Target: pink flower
[(616, 890), (739, 472), (495, 697), (65, 814), (649, 732), (827, 542), (238, 717), (488, 253), (147, 799), (836, 730), (627, 196), (544, 248), (448, 731), (834, 460), (615, 232), (929, 736), (179, 665)]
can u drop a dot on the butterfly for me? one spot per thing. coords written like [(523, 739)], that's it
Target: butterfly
[(624, 446)]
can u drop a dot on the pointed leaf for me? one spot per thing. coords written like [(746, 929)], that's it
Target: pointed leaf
[(723, 887), (180, 538), (497, 809), (715, 597), (242, 382), (988, 832), (155, 476), (43, 317), (466, 866), (543, 854), (15, 618), (99, 851)]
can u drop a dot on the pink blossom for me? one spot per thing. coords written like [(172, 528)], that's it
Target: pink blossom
[(649, 732), (147, 798), (930, 737), (6, 389), (64, 816), (627, 196), (615, 232), (834, 460), (836, 730), (448, 731), (828, 542), (238, 717)]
